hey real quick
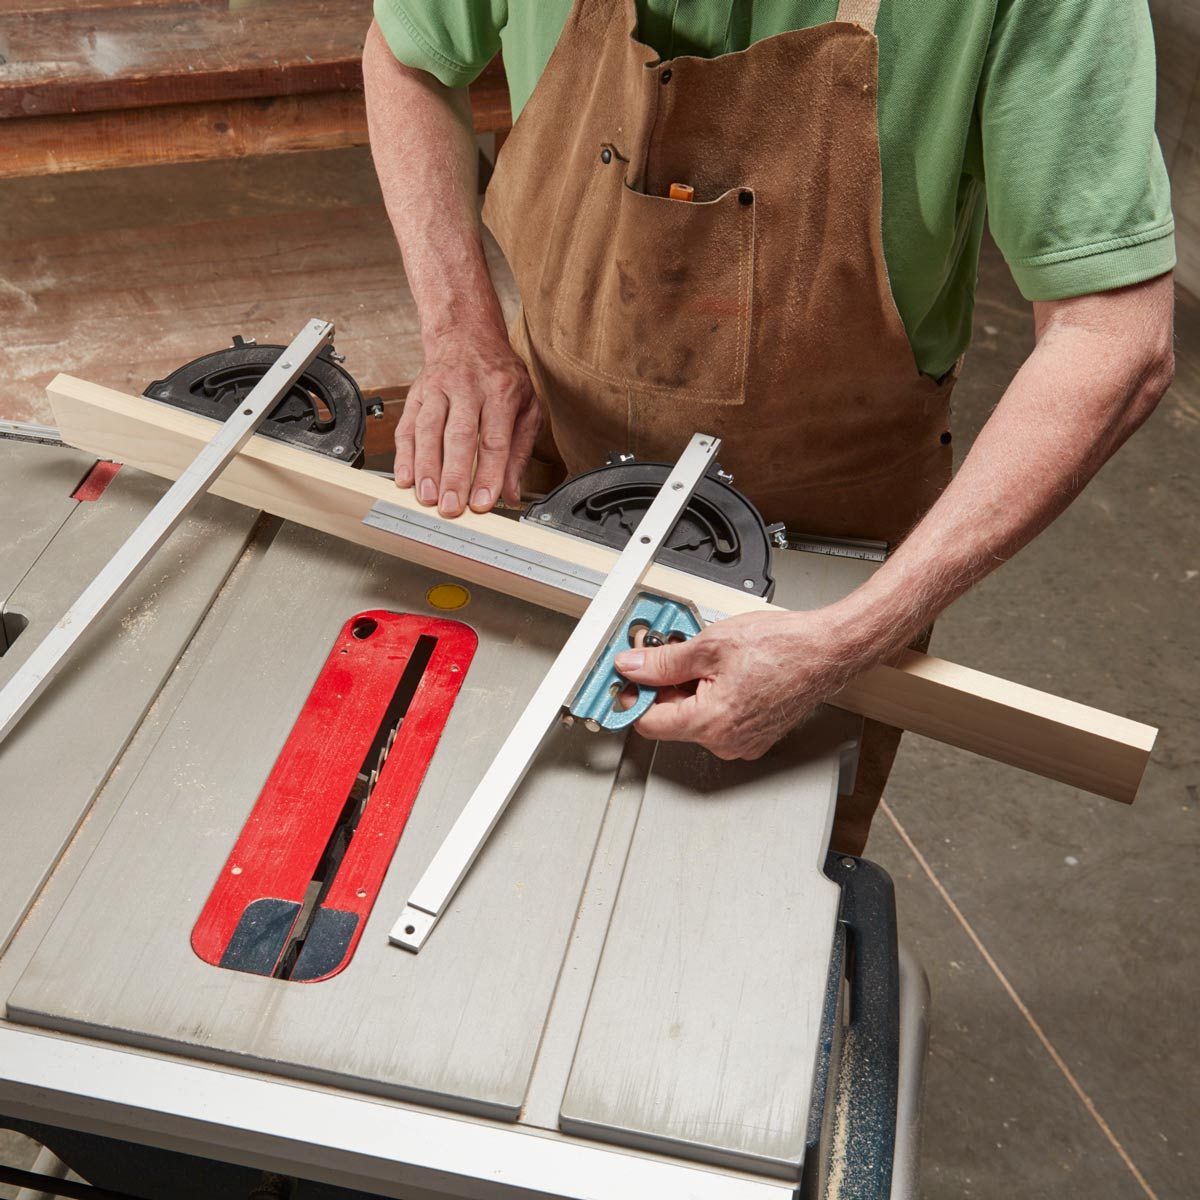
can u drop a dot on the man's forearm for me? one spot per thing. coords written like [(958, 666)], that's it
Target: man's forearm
[(471, 417), (1100, 365), (423, 143)]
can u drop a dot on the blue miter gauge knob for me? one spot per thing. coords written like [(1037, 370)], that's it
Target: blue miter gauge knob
[(596, 701)]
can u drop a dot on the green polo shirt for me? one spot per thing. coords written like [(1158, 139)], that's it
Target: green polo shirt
[(1039, 112)]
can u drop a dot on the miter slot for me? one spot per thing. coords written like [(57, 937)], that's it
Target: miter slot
[(12, 625)]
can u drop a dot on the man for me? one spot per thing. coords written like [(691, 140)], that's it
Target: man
[(809, 304)]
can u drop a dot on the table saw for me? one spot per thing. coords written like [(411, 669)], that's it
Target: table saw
[(653, 982)]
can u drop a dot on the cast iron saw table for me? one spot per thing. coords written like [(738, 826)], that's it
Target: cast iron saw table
[(653, 983)]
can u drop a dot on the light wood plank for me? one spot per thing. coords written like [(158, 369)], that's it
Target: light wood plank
[(1060, 739)]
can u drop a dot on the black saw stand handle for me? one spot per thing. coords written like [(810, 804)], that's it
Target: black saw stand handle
[(853, 1115)]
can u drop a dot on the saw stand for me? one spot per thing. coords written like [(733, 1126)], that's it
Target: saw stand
[(651, 982)]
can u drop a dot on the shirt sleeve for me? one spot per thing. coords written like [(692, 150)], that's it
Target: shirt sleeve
[(451, 39), (1078, 195)]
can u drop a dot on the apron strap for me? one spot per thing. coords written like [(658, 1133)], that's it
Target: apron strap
[(859, 12)]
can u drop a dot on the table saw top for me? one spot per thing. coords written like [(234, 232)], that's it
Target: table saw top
[(639, 957)]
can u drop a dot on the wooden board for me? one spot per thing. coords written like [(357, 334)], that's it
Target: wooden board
[(8, 7), (86, 59), (118, 54), (182, 133), (458, 1025), (1057, 738), (315, 220), (219, 129)]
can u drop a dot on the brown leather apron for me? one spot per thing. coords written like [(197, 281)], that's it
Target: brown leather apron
[(761, 311)]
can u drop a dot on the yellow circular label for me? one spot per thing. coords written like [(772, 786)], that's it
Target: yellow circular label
[(447, 596)]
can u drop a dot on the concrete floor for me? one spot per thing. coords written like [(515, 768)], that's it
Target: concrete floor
[(1057, 929)]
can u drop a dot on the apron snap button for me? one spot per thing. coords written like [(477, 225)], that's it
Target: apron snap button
[(745, 197), (606, 155), (666, 75)]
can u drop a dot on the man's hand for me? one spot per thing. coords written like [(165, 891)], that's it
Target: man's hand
[(473, 395), (756, 676)]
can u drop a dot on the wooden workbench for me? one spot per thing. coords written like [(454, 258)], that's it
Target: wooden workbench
[(117, 83)]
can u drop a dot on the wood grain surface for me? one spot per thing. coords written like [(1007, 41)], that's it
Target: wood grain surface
[(74, 58), (254, 246), (1058, 738), (207, 131)]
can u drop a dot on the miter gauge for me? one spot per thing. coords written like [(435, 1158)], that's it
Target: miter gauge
[(295, 392), (686, 515), (719, 535), (321, 410)]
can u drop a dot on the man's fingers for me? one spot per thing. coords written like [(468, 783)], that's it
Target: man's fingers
[(679, 718), (682, 717), (427, 444), (676, 662), (406, 440), (495, 440), (525, 432), (458, 457)]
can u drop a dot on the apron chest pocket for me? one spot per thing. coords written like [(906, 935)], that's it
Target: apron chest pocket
[(656, 294)]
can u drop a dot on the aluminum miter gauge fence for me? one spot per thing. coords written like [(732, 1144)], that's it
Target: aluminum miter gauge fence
[(587, 642)]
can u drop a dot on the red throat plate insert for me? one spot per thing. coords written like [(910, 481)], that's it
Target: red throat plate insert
[(295, 893)]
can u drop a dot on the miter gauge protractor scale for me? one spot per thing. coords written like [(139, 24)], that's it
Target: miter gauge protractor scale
[(322, 410), (688, 516)]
